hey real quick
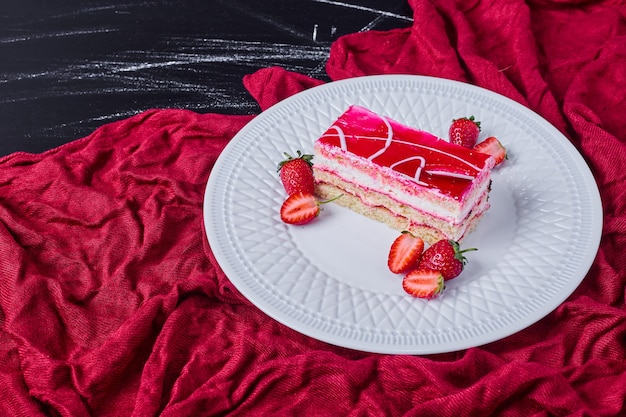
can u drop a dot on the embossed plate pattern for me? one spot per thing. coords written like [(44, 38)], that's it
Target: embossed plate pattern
[(329, 279)]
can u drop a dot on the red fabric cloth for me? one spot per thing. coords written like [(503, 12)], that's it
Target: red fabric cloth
[(111, 303)]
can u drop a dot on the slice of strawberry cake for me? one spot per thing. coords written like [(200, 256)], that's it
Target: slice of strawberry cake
[(404, 177)]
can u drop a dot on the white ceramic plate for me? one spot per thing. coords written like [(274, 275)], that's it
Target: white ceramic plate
[(329, 279)]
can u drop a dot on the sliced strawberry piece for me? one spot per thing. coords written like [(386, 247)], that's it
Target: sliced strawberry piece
[(423, 283), (405, 252), (299, 208), (492, 146)]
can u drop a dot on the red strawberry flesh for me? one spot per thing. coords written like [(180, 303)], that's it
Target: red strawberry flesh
[(492, 146), (423, 283), (299, 208), (405, 252)]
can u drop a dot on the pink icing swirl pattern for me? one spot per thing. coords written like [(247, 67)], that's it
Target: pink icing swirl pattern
[(414, 154)]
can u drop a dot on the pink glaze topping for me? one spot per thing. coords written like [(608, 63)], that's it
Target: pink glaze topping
[(414, 154)]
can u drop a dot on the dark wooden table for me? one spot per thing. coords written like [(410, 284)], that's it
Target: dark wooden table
[(68, 67)]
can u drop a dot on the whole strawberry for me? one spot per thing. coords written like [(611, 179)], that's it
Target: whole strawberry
[(296, 174), (464, 131), (446, 257)]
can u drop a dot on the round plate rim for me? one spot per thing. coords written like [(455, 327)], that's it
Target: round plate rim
[(232, 270)]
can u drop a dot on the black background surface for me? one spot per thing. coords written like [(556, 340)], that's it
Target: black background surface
[(68, 68)]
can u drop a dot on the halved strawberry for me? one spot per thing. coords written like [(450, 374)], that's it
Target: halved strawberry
[(423, 283), (492, 146), (404, 253), (301, 208)]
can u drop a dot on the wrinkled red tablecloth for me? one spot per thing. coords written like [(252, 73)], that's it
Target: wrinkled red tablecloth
[(111, 303)]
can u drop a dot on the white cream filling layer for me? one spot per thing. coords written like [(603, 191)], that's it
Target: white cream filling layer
[(354, 170)]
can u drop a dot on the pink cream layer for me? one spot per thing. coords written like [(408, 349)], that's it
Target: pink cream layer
[(431, 162)]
